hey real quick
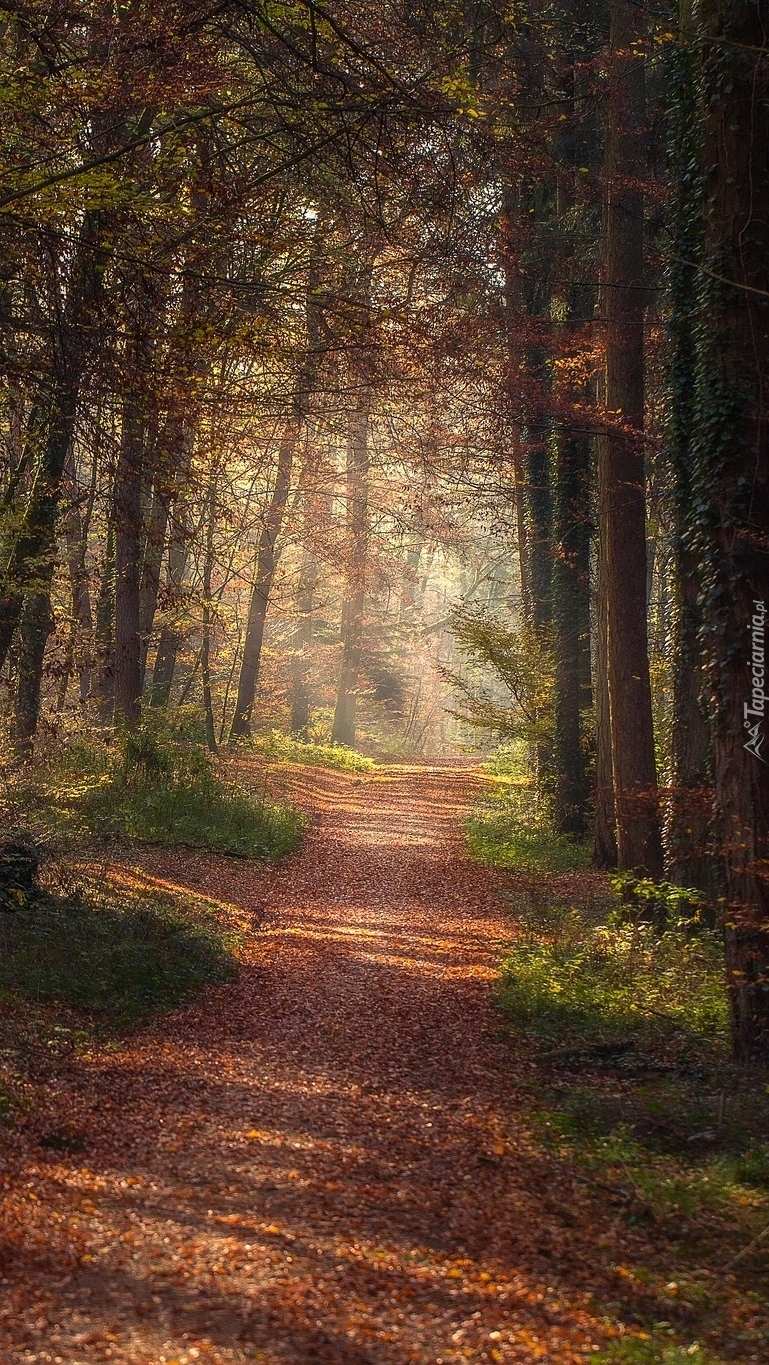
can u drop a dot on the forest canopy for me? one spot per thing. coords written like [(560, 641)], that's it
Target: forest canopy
[(393, 376)]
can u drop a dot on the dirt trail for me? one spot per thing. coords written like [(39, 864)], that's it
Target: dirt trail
[(320, 1161)]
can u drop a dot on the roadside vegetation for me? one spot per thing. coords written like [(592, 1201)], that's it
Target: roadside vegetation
[(97, 953), (95, 948), (149, 786), (287, 749), (626, 1026)]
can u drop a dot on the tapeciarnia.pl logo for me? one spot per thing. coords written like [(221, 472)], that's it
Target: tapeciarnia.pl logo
[(755, 710)]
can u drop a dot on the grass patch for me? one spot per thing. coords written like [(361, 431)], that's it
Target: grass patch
[(512, 829), (153, 789), (116, 956), (628, 1034), (572, 980), (655, 1350), (289, 750), (95, 958)]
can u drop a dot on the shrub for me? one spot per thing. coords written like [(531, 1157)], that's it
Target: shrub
[(151, 788), (513, 829), (596, 983), (290, 750)]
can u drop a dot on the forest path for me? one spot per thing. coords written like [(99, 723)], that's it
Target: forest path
[(322, 1160)]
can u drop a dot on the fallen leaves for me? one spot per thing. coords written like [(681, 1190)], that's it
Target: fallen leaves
[(325, 1159)]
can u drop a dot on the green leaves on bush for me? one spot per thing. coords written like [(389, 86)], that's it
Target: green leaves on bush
[(155, 789), (590, 983)]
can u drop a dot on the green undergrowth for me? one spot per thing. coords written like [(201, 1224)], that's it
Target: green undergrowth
[(512, 828), (92, 960), (151, 788), (289, 750), (625, 1031), (118, 955), (654, 1349), (574, 979), (632, 1085)]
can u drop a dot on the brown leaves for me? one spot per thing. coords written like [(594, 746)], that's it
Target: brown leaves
[(322, 1160)]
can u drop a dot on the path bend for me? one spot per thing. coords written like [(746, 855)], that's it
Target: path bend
[(321, 1161)]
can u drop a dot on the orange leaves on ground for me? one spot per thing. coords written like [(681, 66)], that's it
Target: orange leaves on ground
[(323, 1160)]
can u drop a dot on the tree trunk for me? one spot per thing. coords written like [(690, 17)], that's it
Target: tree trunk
[(343, 728), (571, 594), (170, 635), (267, 554), (300, 664), (266, 564), (76, 527), (36, 625), (205, 649), (513, 396), (32, 541), (621, 456), (689, 808), (731, 484), (105, 626), (539, 505), (572, 518), (605, 820), (127, 518), (152, 558)]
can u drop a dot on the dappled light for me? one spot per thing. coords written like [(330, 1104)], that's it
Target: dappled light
[(384, 771), (321, 1160)]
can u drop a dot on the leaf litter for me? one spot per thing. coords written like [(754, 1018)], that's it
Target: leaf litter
[(325, 1159)]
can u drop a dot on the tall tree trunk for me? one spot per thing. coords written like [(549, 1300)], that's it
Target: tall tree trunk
[(36, 626), (267, 553), (353, 606), (172, 456), (76, 528), (205, 649), (301, 697), (105, 627), (605, 819), (509, 229), (571, 521), (170, 635), (266, 564), (540, 520), (127, 517), (731, 483), (571, 594), (152, 558), (621, 457), (31, 542), (689, 812)]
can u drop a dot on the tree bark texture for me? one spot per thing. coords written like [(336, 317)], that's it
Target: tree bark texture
[(353, 606), (730, 503), (621, 456), (266, 564), (127, 518), (205, 648), (605, 818), (31, 545), (36, 626), (301, 697), (267, 552), (170, 635), (571, 628), (688, 822)]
